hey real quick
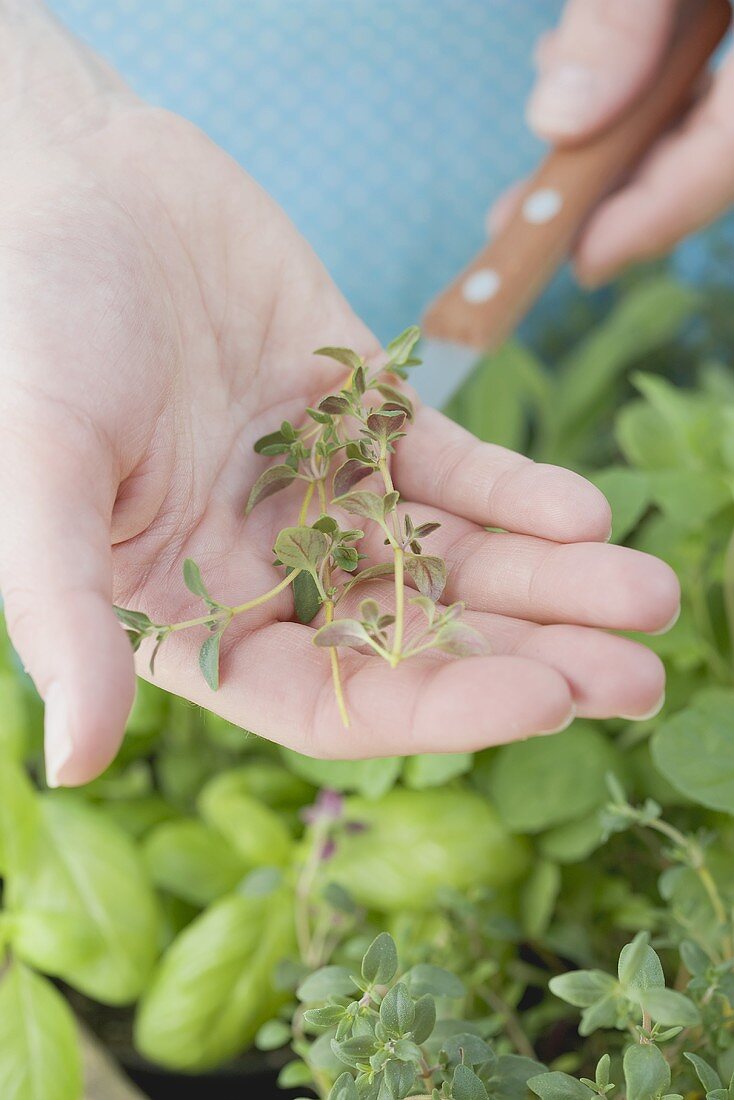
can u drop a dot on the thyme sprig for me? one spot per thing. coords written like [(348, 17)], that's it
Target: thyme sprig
[(349, 436)]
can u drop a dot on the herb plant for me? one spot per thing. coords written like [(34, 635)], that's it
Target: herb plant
[(347, 438), (203, 894)]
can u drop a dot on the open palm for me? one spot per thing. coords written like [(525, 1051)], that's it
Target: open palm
[(159, 314)]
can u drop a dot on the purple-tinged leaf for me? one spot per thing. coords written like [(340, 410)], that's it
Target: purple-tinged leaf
[(428, 573), (348, 474), (270, 481)]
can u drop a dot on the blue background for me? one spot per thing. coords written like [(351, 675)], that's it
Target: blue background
[(384, 127)]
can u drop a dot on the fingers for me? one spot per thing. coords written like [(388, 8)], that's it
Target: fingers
[(608, 676), (590, 584), (685, 182), (596, 63), (441, 464), (278, 684), (55, 578)]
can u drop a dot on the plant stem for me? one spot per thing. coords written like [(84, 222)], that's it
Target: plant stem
[(230, 612), (399, 557), (397, 638), (697, 864), (511, 1022), (336, 675), (304, 507)]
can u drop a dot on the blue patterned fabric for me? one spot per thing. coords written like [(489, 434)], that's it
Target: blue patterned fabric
[(384, 127)]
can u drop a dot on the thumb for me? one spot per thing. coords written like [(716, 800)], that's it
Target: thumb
[(596, 63), (56, 495)]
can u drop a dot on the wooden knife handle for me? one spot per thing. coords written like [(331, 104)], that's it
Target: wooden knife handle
[(487, 300)]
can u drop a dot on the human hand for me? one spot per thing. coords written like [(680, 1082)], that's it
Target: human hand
[(589, 70), (158, 315)]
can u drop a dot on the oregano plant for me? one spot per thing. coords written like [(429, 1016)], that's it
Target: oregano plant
[(347, 438)]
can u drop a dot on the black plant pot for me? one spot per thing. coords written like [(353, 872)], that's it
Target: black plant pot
[(253, 1076), (249, 1079)]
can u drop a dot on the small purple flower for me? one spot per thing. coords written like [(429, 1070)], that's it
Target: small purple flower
[(329, 806)]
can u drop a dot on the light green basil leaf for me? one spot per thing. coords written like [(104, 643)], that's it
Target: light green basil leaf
[(66, 860), (192, 861), (413, 844), (39, 1049), (255, 831), (213, 988)]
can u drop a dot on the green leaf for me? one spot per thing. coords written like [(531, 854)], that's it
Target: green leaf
[(510, 1075), (582, 988), (270, 481), (273, 1035), (271, 444), (466, 1085), (363, 503), (306, 598), (256, 832), (371, 778), (428, 574), (213, 988), (380, 962), (345, 356), (415, 844), (355, 1050), (628, 493), (645, 318), (70, 866), (400, 1079), (39, 1048), (559, 1086), (209, 659), (344, 1088), (302, 548), (328, 981), (433, 769), (424, 978), (695, 749), (670, 1008), (400, 350), (134, 620), (538, 897), (646, 1072), (690, 497), (468, 1048), (326, 1017), (195, 583), (192, 861), (425, 1018), (519, 783), (341, 632), (397, 1012), (706, 1074), (639, 967)]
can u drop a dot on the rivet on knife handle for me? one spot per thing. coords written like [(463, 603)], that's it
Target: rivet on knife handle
[(488, 299)]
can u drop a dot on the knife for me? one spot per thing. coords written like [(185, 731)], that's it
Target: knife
[(487, 300)]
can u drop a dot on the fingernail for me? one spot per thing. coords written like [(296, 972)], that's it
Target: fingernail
[(564, 101), (652, 713), (564, 724), (668, 626), (58, 743)]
